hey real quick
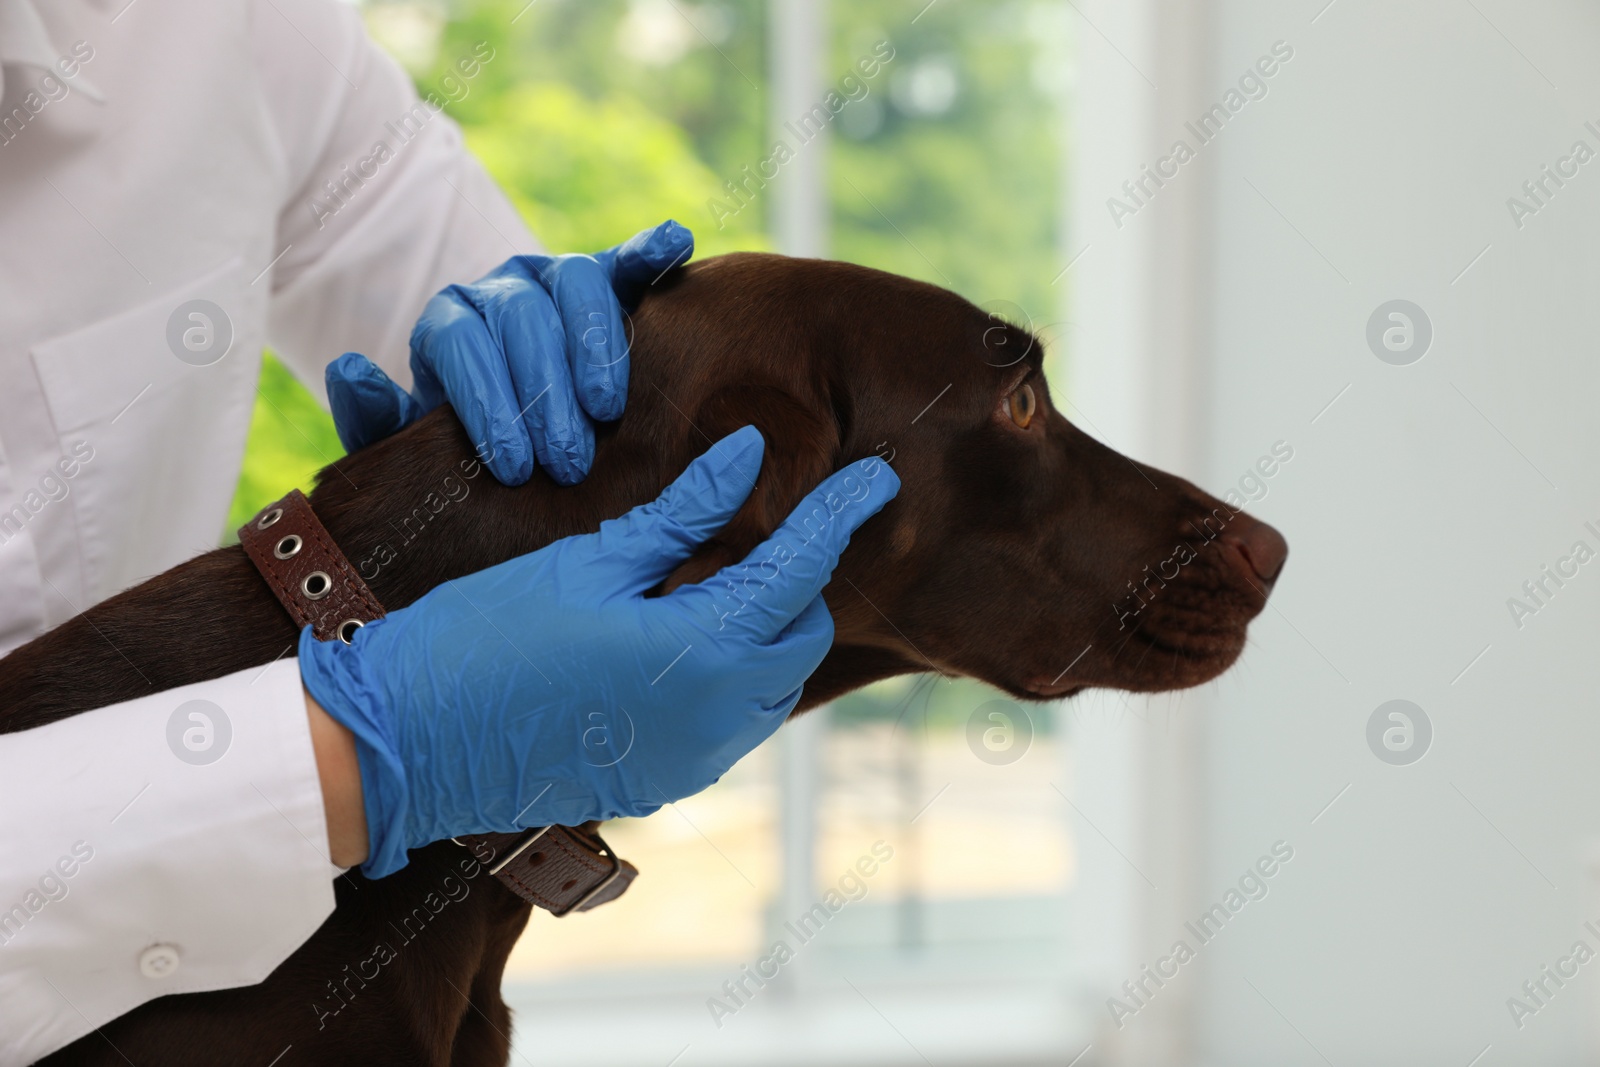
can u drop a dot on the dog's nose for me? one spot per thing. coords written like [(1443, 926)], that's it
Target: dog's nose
[(1262, 548)]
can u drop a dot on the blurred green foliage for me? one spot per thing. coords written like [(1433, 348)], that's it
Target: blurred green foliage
[(572, 167), (602, 117), (948, 169), (291, 438)]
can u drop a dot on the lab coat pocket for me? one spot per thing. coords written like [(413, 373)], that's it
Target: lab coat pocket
[(154, 405)]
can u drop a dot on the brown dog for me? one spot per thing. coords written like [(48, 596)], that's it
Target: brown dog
[(1019, 551)]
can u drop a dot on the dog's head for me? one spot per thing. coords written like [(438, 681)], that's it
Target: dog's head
[(1020, 550)]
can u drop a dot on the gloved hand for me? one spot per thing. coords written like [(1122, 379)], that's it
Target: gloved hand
[(549, 689), (527, 356)]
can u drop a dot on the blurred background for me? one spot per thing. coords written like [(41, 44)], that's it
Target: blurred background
[(1375, 254)]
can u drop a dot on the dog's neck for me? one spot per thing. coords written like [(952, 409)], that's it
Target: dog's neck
[(415, 514)]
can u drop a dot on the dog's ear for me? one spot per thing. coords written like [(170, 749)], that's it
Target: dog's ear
[(803, 442)]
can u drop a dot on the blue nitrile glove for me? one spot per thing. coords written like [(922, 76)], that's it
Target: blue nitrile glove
[(550, 689), (527, 356)]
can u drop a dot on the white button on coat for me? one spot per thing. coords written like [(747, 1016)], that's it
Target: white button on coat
[(186, 163), (158, 961)]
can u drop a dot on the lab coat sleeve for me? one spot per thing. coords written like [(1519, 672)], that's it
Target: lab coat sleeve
[(170, 844), (384, 206)]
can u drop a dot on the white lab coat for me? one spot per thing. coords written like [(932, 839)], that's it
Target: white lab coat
[(184, 159)]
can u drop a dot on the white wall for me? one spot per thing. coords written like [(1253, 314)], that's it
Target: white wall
[(1377, 167)]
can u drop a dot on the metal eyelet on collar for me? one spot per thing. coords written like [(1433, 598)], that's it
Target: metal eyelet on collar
[(316, 585), (347, 629), (288, 546), (269, 518)]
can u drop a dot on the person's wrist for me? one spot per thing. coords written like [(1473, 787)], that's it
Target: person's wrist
[(348, 692), (339, 772)]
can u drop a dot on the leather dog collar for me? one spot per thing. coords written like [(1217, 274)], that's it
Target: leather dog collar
[(561, 869)]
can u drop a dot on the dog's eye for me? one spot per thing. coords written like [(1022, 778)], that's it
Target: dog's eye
[(1021, 405)]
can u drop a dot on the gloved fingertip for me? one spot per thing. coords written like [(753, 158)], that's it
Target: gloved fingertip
[(639, 262), (741, 451), (715, 485), (605, 403), (565, 473), (745, 439), (891, 483), (883, 484), (882, 488), (569, 466), (670, 241), (511, 464), (349, 366), (567, 454), (583, 460), (365, 403)]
